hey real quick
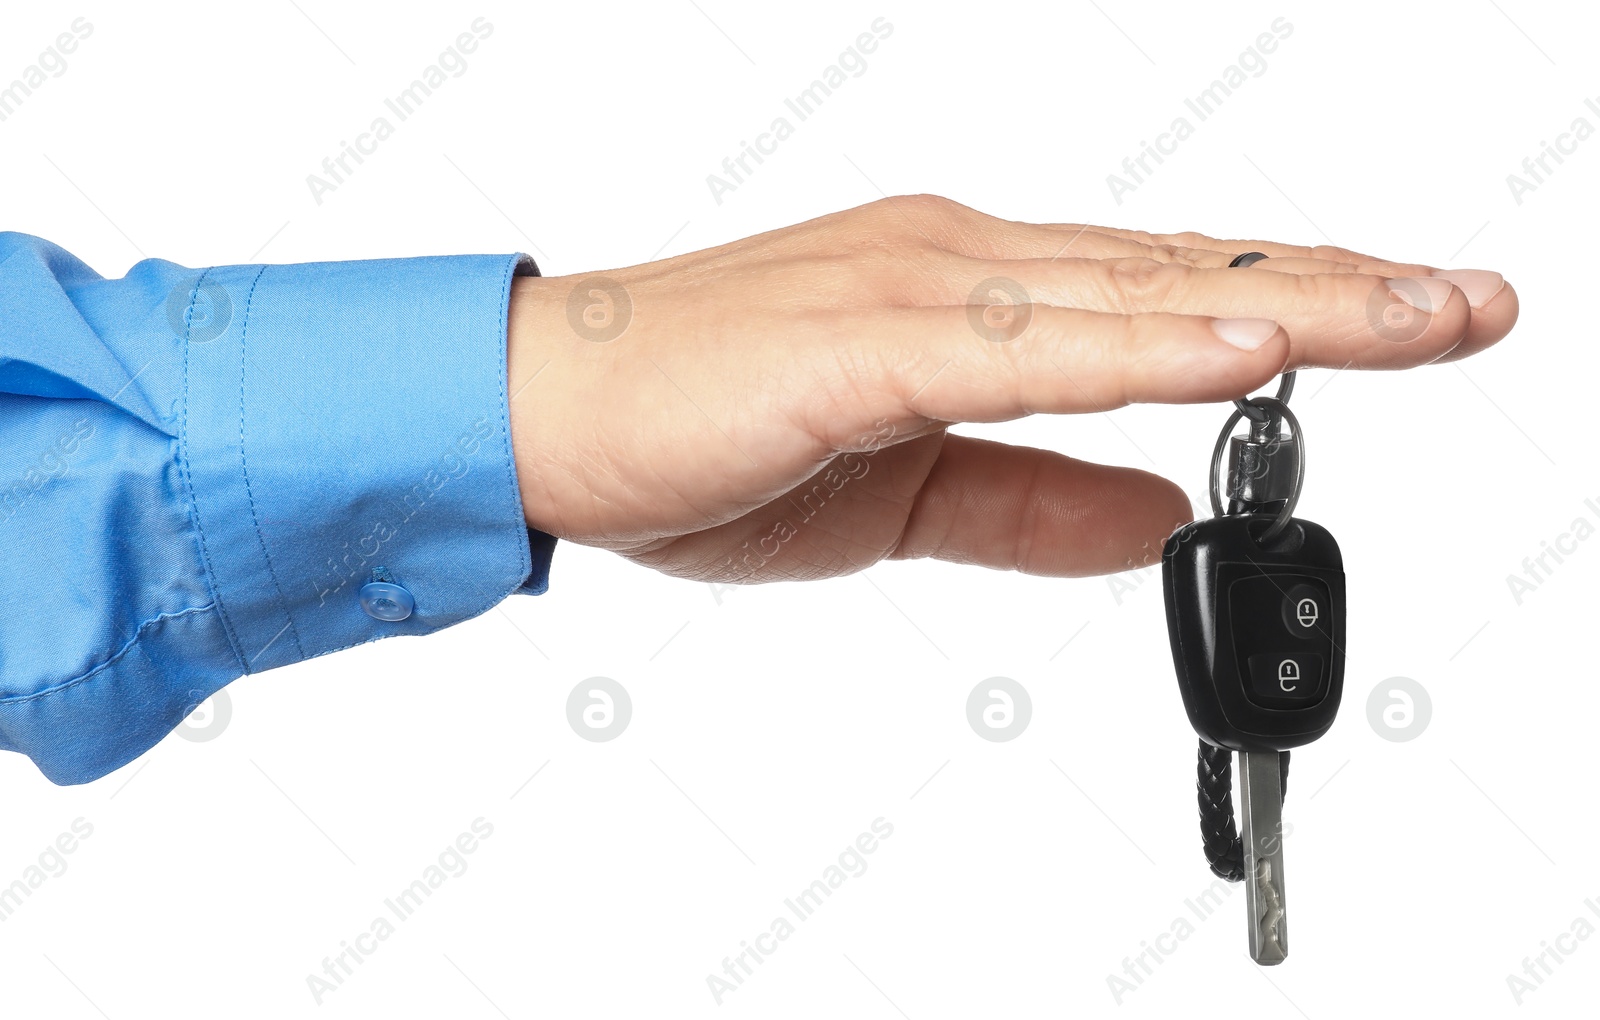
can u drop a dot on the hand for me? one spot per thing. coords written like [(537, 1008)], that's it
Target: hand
[(776, 408)]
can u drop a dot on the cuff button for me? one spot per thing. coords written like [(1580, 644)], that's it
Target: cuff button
[(385, 601)]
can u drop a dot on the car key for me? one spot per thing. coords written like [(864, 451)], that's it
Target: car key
[(1255, 613)]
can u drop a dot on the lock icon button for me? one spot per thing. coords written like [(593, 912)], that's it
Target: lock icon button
[(1304, 606), (1305, 612)]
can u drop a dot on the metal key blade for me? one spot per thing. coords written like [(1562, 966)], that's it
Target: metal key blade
[(1261, 818)]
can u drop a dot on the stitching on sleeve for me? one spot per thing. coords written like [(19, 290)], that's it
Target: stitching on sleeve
[(138, 635), (188, 479), (244, 336), (505, 409)]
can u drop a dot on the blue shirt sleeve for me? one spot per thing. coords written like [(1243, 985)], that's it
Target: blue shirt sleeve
[(202, 472)]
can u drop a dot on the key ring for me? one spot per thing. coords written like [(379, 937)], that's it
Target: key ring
[(1270, 407), (1250, 409), (1247, 408)]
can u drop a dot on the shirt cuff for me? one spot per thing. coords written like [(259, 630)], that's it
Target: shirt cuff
[(355, 428)]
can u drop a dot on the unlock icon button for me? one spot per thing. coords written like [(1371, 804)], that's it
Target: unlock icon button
[(1288, 676), (1285, 679)]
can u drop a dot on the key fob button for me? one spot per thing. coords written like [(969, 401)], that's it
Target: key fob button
[(1305, 606), (1286, 679)]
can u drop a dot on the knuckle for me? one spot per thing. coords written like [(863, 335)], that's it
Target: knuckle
[(1347, 305), (883, 217), (1188, 239), (931, 204), (1333, 253), (1303, 293), (1184, 254), (1391, 269), (926, 220), (1143, 237), (1330, 290), (907, 211), (1140, 284)]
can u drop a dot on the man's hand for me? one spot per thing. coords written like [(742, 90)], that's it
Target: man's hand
[(776, 408)]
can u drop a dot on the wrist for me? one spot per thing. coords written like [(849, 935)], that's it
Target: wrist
[(535, 338)]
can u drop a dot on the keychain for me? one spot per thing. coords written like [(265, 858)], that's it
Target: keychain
[(1255, 613)]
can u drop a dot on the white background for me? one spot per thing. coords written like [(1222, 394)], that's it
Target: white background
[(771, 728)]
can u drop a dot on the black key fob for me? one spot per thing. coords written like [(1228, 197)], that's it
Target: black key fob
[(1257, 629)]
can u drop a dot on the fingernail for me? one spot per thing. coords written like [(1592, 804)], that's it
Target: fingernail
[(1479, 285), (1245, 334), (1423, 293)]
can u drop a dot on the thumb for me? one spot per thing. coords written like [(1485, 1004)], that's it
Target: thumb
[(1039, 512)]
